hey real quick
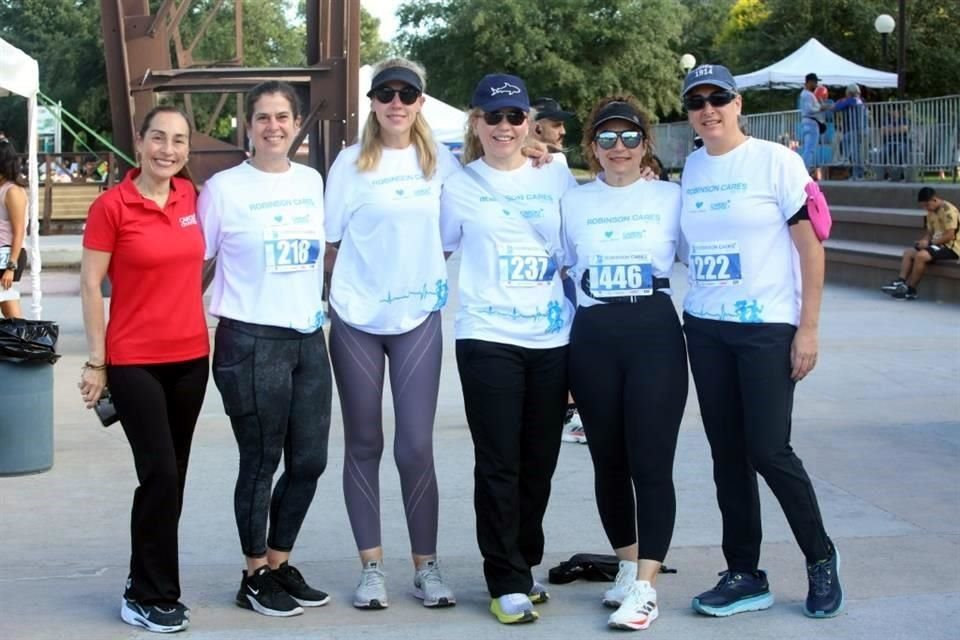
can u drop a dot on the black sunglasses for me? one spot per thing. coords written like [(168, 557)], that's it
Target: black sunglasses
[(716, 99), (408, 95), (607, 139), (515, 117)]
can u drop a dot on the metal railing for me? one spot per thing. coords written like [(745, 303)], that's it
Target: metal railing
[(894, 140)]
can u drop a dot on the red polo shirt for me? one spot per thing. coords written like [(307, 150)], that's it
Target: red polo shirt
[(156, 309)]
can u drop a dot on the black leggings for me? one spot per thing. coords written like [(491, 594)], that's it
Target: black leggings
[(276, 388), (742, 373), (158, 405), (628, 375)]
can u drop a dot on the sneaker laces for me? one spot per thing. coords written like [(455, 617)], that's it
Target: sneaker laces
[(430, 574), (625, 576), (372, 577), (821, 577), (292, 573)]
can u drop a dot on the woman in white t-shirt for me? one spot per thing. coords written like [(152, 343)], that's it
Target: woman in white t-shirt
[(263, 222), (628, 363), (512, 331), (750, 317), (389, 284)]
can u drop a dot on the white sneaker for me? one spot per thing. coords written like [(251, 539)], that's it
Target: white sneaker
[(573, 429), (626, 576), (428, 586), (371, 593), (638, 610)]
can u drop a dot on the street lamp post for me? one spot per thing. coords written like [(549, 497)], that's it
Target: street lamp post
[(884, 24), (687, 62)]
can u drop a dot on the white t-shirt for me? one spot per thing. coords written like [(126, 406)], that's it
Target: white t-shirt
[(390, 273), (266, 231), (622, 236), (743, 265), (510, 290)]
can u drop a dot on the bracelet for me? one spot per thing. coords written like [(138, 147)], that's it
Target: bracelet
[(95, 367)]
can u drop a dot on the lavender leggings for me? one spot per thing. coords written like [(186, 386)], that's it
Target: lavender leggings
[(358, 365)]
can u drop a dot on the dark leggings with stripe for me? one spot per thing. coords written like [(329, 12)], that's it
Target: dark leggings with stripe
[(628, 374), (276, 388), (359, 366)]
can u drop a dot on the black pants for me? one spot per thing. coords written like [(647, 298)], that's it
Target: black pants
[(628, 374), (158, 405), (276, 388), (742, 374), (515, 400)]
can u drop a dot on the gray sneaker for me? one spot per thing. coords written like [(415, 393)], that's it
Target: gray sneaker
[(371, 593), (429, 586)]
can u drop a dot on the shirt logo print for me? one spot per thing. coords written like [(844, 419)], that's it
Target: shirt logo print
[(189, 220)]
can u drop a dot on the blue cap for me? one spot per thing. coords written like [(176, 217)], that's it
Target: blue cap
[(713, 74), (500, 91)]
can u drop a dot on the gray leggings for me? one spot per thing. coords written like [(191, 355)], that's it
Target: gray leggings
[(276, 388), (358, 364)]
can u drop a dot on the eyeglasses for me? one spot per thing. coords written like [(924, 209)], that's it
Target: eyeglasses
[(716, 99), (607, 140), (408, 95), (515, 117)]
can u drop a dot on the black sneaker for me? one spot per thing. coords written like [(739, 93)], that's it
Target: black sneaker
[(825, 597), (735, 593), (160, 618), (262, 593), (291, 581), (893, 285), (905, 292)]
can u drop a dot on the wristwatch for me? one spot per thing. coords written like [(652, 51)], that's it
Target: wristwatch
[(11, 266)]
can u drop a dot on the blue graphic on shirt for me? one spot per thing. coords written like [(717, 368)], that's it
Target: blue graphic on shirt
[(553, 316), (746, 311), (440, 292)]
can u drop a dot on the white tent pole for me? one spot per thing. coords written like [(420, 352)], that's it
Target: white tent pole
[(34, 209)]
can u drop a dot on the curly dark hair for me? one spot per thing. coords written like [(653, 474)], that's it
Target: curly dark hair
[(9, 162), (589, 131)]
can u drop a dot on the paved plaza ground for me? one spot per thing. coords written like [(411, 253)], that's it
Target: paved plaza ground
[(877, 425)]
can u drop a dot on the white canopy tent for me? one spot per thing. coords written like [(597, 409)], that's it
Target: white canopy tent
[(813, 57), (448, 123), (20, 74)]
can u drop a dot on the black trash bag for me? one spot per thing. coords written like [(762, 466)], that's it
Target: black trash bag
[(593, 567), (24, 340)]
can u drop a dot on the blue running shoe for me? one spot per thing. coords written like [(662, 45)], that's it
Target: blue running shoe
[(737, 592)]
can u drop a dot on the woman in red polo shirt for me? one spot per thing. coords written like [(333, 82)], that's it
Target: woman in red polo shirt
[(153, 353)]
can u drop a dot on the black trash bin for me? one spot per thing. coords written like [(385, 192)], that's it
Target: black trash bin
[(27, 354)]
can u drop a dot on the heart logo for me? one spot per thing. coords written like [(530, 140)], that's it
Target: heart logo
[(505, 212), (609, 234), (278, 218), (399, 192), (699, 204)]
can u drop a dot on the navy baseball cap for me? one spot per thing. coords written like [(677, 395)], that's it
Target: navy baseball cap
[(618, 111), (391, 74), (500, 91), (712, 74)]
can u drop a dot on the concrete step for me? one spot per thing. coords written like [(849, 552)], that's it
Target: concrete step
[(899, 227), (900, 195), (873, 264)]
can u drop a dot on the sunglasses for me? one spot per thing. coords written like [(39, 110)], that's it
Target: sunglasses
[(515, 117), (716, 99), (408, 95), (607, 140)]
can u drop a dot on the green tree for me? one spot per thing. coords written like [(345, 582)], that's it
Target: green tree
[(573, 50), (372, 48)]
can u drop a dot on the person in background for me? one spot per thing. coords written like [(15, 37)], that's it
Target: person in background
[(620, 238), (389, 284), (549, 119), (263, 221), (13, 230), (153, 352), (751, 317), (939, 243), (853, 118), (512, 332), (812, 122)]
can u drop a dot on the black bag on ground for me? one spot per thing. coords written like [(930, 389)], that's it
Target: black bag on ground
[(593, 567), (24, 340)]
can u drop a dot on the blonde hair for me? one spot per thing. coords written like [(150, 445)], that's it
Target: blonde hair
[(421, 136), (472, 149), (589, 131)]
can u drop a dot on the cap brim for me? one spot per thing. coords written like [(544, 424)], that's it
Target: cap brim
[(554, 115), (709, 82), (505, 102), (625, 118)]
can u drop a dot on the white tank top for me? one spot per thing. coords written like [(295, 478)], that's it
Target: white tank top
[(6, 231)]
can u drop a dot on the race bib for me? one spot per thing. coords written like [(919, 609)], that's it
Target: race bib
[(524, 265), (291, 248), (621, 275), (715, 264)]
